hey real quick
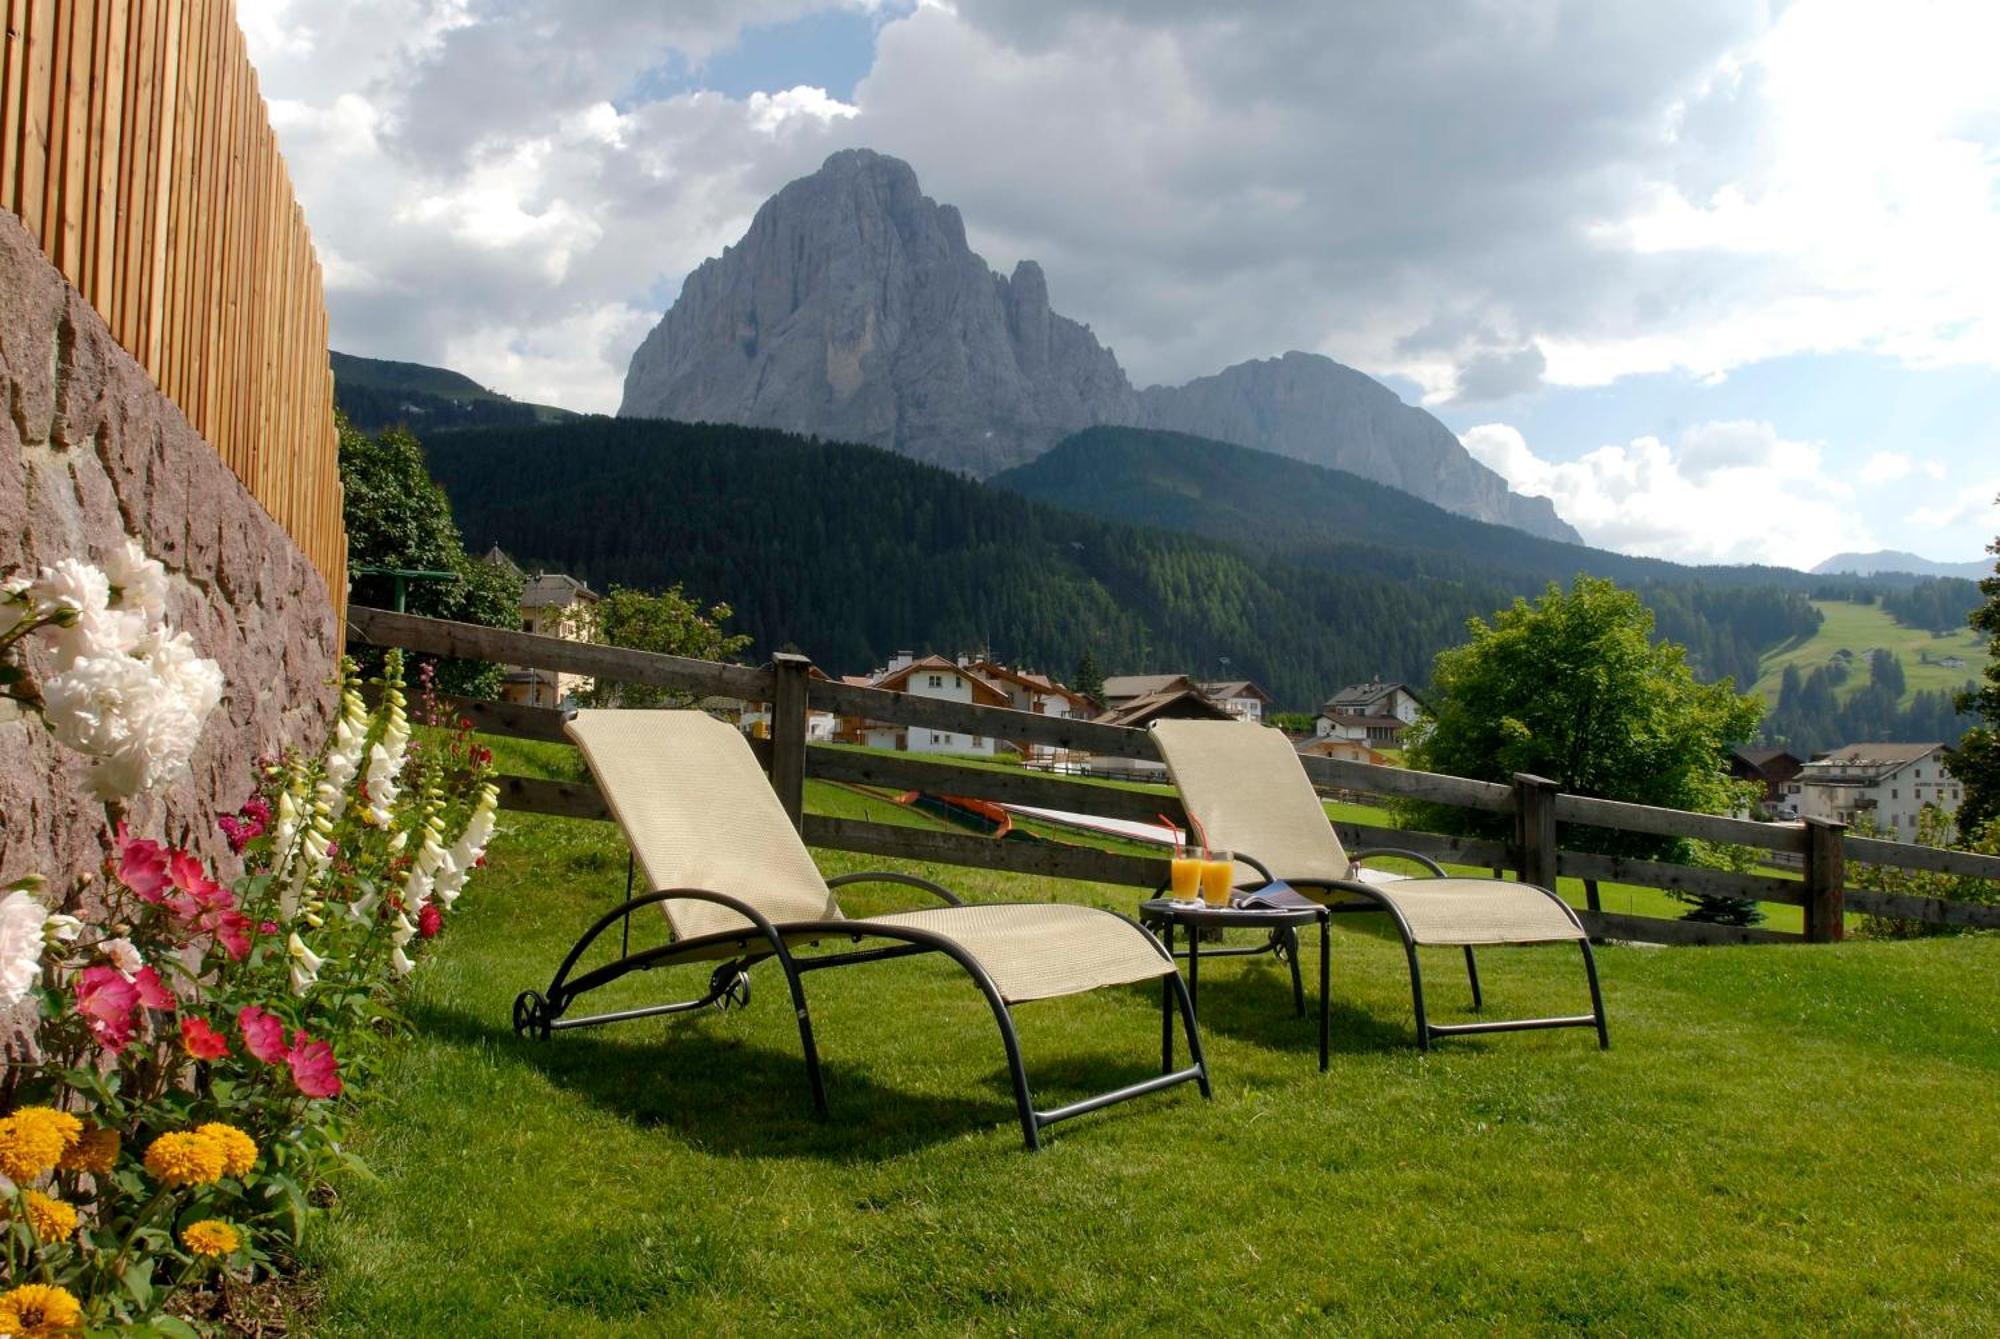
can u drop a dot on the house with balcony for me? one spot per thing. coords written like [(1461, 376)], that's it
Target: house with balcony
[(1884, 785), (1373, 713)]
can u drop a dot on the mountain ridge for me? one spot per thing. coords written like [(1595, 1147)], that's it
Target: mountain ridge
[(853, 308), (1897, 561)]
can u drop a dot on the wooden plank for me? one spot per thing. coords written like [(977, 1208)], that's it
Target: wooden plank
[(906, 772), (1825, 879), (564, 799), (379, 627), (1653, 930), (788, 732), (1440, 847), (1682, 878), (31, 200), (1402, 783), (992, 722), (1535, 848), (1930, 910), (1909, 855), (1047, 859), (13, 78), (75, 140), (1624, 817)]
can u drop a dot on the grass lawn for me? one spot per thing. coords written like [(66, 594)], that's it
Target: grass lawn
[(1861, 628), (1781, 1139)]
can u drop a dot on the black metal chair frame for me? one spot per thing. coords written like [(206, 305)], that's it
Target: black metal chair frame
[(542, 1013), (1375, 901)]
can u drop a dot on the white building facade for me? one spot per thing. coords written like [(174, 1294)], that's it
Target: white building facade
[(1883, 785)]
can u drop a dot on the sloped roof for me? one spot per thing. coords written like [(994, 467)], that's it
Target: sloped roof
[(546, 590), (1867, 761), (1178, 704), (1123, 687), (939, 665), (1236, 688), (1365, 695), (1365, 721), (1040, 683)]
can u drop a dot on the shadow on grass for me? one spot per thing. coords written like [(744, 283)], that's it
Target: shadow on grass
[(1254, 1004), (728, 1095)]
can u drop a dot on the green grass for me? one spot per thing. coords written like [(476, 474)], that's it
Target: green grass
[(1795, 1139), (1861, 628)]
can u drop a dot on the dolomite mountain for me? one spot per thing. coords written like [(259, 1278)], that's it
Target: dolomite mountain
[(853, 309)]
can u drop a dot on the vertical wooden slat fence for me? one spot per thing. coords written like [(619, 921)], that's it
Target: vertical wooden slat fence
[(135, 147)]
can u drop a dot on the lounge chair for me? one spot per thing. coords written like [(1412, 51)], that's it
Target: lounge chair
[(1245, 786), (738, 887)]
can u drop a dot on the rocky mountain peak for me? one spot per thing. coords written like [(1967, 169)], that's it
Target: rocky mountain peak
[(854, 309)]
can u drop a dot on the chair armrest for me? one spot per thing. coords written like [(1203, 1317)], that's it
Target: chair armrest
[(890, 876), (1437, 870)]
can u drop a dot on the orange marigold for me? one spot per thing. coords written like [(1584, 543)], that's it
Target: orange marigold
[(96, 1152), (33, 1140), (38, 1311), (51, 1219), (185, 1158), (239, 1150), (211, 1237)]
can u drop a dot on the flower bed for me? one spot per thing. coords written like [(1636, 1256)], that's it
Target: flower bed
[(192, 1037)]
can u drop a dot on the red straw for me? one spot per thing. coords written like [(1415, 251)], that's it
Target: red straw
[(1171, 827)]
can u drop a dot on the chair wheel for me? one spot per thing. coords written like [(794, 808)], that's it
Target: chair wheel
[(531, 1014), (734, 993)]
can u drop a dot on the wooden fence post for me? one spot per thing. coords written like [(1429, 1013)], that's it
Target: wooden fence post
[(788, 732), (1535, 829), (1826, 880)]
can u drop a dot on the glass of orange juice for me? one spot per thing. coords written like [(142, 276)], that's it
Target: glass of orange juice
[(1186, 875), (1218, 873)]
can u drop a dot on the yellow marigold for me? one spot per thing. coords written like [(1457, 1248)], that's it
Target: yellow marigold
[(37, 1311), (211, 1237), (96, 1152), (51, 1218), (33, 1140), (239, 1150), (185, 1158)]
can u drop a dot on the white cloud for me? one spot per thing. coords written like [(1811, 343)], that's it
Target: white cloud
[(1886, 467), (768, 111), (1731, 492), (1975, 505)]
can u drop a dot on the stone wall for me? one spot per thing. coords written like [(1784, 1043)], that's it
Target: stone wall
[(91, 451)]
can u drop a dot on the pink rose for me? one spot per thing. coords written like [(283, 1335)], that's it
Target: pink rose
[(142, 865), (313, 1067), (152, 991), (107, 1002), (263, 1034), (202, 1041)]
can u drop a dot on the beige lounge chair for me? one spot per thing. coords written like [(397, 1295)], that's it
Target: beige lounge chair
[(738, 887), (1245, 785)]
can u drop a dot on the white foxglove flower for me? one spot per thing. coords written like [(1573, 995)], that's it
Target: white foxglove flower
[(400, 961), (402, 930), (122, 954), (465, 853), (362, 909), (21, 945), (305, 964)]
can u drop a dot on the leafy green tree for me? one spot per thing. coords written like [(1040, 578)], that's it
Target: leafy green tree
[(398, 517), (1976, 764), (1573, 688), (669, 623)]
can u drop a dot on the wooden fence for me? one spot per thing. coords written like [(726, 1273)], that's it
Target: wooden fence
[(1537, 811), (134, 145)]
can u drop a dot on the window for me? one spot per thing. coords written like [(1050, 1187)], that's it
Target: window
[(1893, 794), (936, 681), (527, 625)]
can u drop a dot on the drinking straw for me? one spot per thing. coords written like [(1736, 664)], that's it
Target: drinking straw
[(1172, 827)]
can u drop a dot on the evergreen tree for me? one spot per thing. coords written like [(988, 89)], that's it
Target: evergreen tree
[(1087, 678), (1976, 764)]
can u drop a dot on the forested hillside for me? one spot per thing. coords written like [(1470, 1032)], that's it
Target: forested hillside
[(851, 553), (1340, 523), (376, 393)]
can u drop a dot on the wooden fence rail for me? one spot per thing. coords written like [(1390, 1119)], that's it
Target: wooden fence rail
[(1535, 852), (135, 146)]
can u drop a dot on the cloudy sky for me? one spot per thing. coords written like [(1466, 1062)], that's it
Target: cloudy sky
[(1722, 279)]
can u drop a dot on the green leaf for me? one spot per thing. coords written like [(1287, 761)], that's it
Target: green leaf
[(138, 1281)]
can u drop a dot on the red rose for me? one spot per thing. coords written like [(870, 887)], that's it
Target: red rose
[(202, 1041), (151, 991), (429, 921)]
